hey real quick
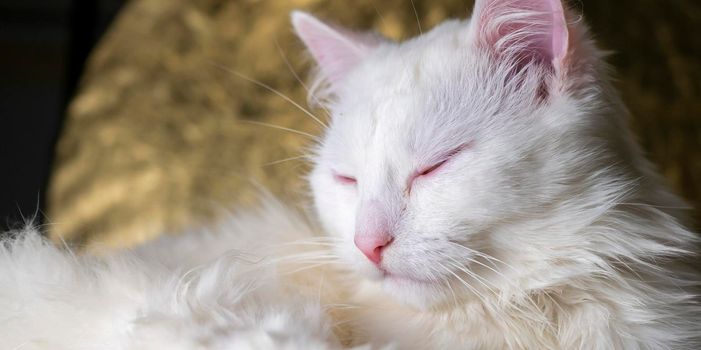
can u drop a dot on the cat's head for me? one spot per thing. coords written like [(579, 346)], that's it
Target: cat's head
[(446, 152)]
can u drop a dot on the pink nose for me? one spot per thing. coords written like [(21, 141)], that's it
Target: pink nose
[(372, 245)]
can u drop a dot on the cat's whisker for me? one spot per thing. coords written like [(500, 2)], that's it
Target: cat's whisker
[(306, 88), (521, 293), (308, 267), (472, 274), (321, 240), (493, 312), (319, 244), (461, 280), (279, 127), (452, 292), (447, 284), (511, 284), (279, 161), (326, 238), (273, 90), (482, 255), (475, 261), (472, 289), (303, 257), (416, 13), (382, 18), (241, 256), (464, 269)]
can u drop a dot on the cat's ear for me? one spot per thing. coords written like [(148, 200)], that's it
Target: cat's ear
[(336, 50), (526, 30)]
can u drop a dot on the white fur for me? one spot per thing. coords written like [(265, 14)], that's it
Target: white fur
[(197, 291), (547, 230), (550, 230)]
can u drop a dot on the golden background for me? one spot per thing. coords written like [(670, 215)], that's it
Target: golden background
[(154, 140)]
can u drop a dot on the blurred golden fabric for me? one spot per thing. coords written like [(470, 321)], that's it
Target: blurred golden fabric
[(155, 142)]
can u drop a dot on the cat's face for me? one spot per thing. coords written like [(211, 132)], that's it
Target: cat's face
[(436, 151)]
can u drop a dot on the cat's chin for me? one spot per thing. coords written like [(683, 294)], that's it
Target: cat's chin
[(409, 290), (421, 294)]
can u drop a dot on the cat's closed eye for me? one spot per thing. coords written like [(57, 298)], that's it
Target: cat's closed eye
[(424, 172), (345, 179), (429, 170)]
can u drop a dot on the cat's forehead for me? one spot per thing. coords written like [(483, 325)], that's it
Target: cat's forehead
[(411, 74), (401, 124), (400, 66), (410, 99)]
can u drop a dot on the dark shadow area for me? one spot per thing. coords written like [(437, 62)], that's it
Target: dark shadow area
[(44, 46)]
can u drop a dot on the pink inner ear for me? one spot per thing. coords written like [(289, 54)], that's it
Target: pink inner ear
[(521, 27), (560, 33), (337, 51)]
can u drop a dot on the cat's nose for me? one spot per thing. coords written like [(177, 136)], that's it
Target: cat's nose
[(372, 245)]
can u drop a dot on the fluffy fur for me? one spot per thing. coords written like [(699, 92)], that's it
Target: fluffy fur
[(220, 289), (495, 154)]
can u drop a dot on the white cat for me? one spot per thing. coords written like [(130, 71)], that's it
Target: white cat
[(480, 189)]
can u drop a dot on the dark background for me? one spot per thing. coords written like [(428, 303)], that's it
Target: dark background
[(43, 47)]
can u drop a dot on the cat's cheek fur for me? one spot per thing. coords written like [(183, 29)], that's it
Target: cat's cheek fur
[(336, 201), (335, 205)]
